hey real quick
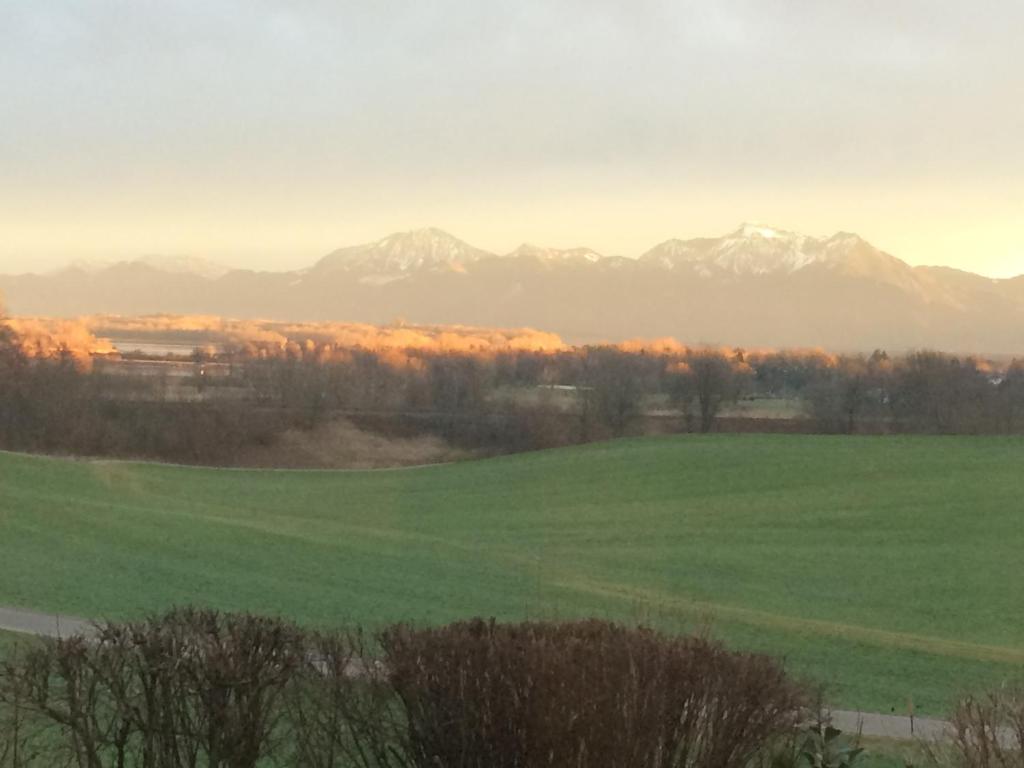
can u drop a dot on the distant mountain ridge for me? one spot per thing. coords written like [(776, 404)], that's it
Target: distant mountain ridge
[(404, 252), (177, 265), (758, 250), (755, 286)]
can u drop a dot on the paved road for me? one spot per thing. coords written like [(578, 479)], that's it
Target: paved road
[(867, 723), (41, 624), (891, 726)]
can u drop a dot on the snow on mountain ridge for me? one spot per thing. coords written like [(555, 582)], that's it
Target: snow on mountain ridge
[(404, 252), (748, 229), (186, 265), (756, 249), (752, 249), (556, 254)]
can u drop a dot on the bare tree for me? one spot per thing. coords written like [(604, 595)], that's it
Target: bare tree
[(841, 395), (711, 379), (612, 389), (1011, 397), (933, 392)]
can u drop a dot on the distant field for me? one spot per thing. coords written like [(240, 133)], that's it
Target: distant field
[(887, 567), (766, 408)]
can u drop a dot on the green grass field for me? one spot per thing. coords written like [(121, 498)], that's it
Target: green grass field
[(889, 568)]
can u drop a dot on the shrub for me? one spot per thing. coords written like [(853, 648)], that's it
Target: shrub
[(24, 736), (988, 730), (341, 711), (825, 747), (484, 695), (189, 688)]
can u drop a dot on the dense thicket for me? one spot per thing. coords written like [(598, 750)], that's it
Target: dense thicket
[(198, 688), (210, 409)]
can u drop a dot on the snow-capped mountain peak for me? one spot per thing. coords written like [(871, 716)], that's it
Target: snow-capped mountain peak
[(749, 230), (405, 252), (757, 249)]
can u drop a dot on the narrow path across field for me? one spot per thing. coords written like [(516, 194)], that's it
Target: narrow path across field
[(868, 723)]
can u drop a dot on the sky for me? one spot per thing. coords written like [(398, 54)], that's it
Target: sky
[(265, 134)]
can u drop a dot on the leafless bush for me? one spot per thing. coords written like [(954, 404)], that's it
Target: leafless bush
[(191, 688), (342, 713), (988, 730), (24, 735), (582, 694)]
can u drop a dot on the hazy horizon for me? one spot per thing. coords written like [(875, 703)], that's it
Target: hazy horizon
[(290, 261), (264, 134)]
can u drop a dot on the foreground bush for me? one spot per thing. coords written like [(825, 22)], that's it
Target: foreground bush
[(199, 688), (485, 695), (191, 688)]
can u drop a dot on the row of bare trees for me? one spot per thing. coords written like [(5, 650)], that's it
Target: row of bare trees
[(495, 402), (52, 404), (924, 392), (198, 688), (613, 388)]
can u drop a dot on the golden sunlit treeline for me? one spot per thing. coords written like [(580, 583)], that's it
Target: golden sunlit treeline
[(94, 335), (264, 338), (106, 335), (48, 337)]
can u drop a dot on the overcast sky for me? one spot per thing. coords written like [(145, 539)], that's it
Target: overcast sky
[(266, 133)]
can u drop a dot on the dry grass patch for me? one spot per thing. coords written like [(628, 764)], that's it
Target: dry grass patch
[(341, 445)]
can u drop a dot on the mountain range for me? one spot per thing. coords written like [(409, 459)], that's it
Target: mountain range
[(756, 286)]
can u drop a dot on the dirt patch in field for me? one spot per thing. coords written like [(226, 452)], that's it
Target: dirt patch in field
[(341, 445)]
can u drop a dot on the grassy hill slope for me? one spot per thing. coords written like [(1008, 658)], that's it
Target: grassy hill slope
[(887, 567)]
